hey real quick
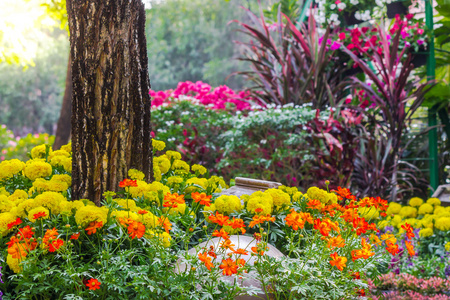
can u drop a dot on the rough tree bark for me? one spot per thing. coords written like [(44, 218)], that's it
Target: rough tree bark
[(63, 128), (110, 103)]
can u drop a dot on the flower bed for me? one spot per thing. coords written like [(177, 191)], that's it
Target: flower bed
[(54, 246)]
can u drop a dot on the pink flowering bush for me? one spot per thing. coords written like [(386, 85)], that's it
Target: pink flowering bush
[(221, 97), (406, 285)]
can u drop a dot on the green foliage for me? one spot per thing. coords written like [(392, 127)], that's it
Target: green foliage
[(191, 41)]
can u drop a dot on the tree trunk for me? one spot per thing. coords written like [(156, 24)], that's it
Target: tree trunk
[(110, 103), (64, 127)]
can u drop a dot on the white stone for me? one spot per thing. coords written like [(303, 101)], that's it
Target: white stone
[(243, 242)]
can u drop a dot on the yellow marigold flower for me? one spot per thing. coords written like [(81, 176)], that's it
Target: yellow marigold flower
[(180, 209), (13, 263), (173, 155), (368, 213), (39, 151), (149, 220), (37, 168), (297, 196), (3, 191), (36, 210), (163, 163), (198, 169), (158, 145), (57, 186), (447, 246), (288, 190), (65, 208), (5, 219), (260, 205), (426, 208), (180, 165), (426, 232), (50, 200), (61, 152), (408, 212), (139, 190), (317, 194), (9, 168), (62, 178), (415, 201), (396, 220), (5, 204), (382, 224), (393, 208), (123, 214), (26, 206), (192, 184), (127, 204), (41, 185), (279, 198), (443, 224), (135, 174), (157, 173), (443, 213), (158, 186), (88, 214), (226, 204), (17, 195), (438, 209), (164, 238), (67, 148), (172, 180), (434, 201), (77, 204), (216, 184)]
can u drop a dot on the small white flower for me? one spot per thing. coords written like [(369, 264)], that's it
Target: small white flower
[(357, 15), (341, 5), (334, 17), (354, 2), (263, 141), (333, 6)]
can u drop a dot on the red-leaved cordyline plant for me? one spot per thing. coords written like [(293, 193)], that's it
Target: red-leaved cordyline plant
[(396, 99), (291, 65)]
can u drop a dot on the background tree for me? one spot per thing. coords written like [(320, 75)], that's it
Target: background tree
[(110, 101)]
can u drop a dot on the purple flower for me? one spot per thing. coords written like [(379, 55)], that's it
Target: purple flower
[(335, 46), (447, 271), (420, 42)]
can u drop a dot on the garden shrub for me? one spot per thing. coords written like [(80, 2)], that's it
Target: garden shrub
[(56, 247)]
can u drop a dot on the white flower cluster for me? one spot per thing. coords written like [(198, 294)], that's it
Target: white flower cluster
[(363, 16)]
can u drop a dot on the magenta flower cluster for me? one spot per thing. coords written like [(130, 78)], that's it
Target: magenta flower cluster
[(409, 283), (202, 93)]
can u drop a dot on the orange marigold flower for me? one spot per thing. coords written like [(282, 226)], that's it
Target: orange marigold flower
[(307, 217), (409, 231), (240, 251), (338, 261), (222, 233), (294, 220), (260, 219), (237, 223), (361, 292), (258, 249), (93, 284), (18, 250), (165, 223), (174, 198), (219, 219), (93, 226), (206, 260), (259, 210), (75, 236), (356, 275), (334, 242), (240, 262), (344, 193), (227, 245), (350, 214), (375, 240), (26, 232), (49, 235), (18, 221), (128, 183), (136, 230), (229, 267), (323, 227), (55, 245), (201, 198), (392, 248), (211, 252), (40, 214), (12, 241), (142, 212), (410, 248), (314, 204)]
